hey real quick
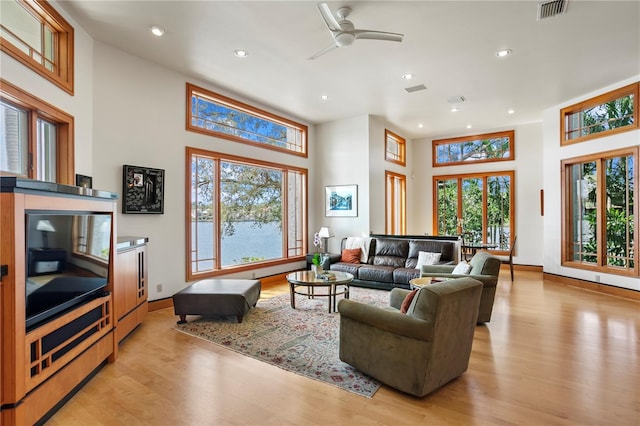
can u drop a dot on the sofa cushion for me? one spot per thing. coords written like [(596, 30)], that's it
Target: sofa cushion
[(390, 252), (402, 276), (427, 258), (351, 268), (462, 268), (351, 255), (445, 248), (380, 273)]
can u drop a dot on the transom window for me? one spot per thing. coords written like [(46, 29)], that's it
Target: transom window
[(36, 139), (217, 115), (477, 205), (395, 148), (243, 213), (600, 212), (34, 33), (609, 113), (483, 148)]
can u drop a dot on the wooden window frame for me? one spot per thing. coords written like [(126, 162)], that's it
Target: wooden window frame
[(218, 269), (392, 211), (567, 214), (63, 74), (459, 140), (247, 109), (402, 148), (37, 108), (484, 176), (632, 89)]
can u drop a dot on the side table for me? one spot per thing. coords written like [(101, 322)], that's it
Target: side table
[(332, 258)]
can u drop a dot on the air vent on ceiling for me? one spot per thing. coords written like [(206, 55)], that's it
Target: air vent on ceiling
[(547, 9), (415, 88)]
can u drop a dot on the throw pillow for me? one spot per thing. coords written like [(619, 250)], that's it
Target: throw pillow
[(462, 268), (404, 307), (350, 255), (427, 258)]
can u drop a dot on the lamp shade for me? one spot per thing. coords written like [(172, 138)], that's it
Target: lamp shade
[(45, 225), (324, 232)]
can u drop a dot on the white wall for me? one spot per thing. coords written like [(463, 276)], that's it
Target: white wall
[(528, 180), (342, 159), (139, 119), (554, 154)]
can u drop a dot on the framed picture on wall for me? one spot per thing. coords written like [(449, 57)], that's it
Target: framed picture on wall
[(341, 200), (142, 190), (84, 181)]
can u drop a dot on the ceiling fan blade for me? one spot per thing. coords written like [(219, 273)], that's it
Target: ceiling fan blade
[(328, 17), (377, 35), (323, 51)]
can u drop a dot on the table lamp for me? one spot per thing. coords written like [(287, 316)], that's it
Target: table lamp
[(45, 226), (325, 234)]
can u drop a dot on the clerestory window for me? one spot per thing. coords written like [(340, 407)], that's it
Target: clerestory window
[(34, 33), (395, 148), (488, 147), (243, 213), (217, 115), (610, 113)]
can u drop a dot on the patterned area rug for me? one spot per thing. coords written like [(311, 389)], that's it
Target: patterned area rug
[(304, 340)]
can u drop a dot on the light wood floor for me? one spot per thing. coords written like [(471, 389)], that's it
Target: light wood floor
[(552, 354)]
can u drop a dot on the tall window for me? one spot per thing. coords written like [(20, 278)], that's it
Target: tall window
[(34, 33), (242, 213), (395, 148), (600, 212), (396, 203), (217, 115), (483, 148), (480, 205), (610, 113), (36, 139)]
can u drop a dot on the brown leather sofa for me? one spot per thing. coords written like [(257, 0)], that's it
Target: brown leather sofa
[(392, 260)]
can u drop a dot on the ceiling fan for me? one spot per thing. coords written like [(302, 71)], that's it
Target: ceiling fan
[(344, 32)]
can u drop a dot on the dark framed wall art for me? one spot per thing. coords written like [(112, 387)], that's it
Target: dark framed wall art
[(142, 190)]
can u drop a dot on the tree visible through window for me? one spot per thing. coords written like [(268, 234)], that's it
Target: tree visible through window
[(479, 205), (243, 212), (474, 149), (599, 198), (217, 115)]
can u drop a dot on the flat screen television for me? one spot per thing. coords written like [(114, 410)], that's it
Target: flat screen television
[(68, 255)]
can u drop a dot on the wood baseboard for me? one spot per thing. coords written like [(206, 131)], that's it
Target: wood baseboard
[(597, 287)]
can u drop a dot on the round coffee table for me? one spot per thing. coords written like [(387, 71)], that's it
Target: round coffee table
[(305, 282), (422, 281)]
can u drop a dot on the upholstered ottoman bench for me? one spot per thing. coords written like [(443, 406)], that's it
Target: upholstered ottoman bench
[(217, 297)]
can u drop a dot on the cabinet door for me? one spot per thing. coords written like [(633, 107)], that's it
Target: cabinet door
[(126, 289)]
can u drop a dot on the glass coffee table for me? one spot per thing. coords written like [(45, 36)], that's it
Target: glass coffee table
[(305, 283)]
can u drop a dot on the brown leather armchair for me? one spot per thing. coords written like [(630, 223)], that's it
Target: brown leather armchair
[(419, 351)]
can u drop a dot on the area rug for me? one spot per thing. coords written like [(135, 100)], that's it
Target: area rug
[(303, 340)]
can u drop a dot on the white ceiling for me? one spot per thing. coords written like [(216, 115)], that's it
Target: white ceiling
[(449, 46)]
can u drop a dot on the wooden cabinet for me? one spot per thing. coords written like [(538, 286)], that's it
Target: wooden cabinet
[(130, 294), (44, 363)]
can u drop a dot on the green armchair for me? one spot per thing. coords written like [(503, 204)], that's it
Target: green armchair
[(417, 352), (485, 268)]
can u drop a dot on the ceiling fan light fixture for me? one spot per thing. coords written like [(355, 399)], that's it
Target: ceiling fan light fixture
[(345, 39)]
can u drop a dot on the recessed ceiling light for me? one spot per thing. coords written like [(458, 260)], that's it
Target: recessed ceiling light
[(469, 126), (503, 53), (407, 76), (157, 31), (241, 53), (420, 125), (455, 109), (324, 97), (510, 111)]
